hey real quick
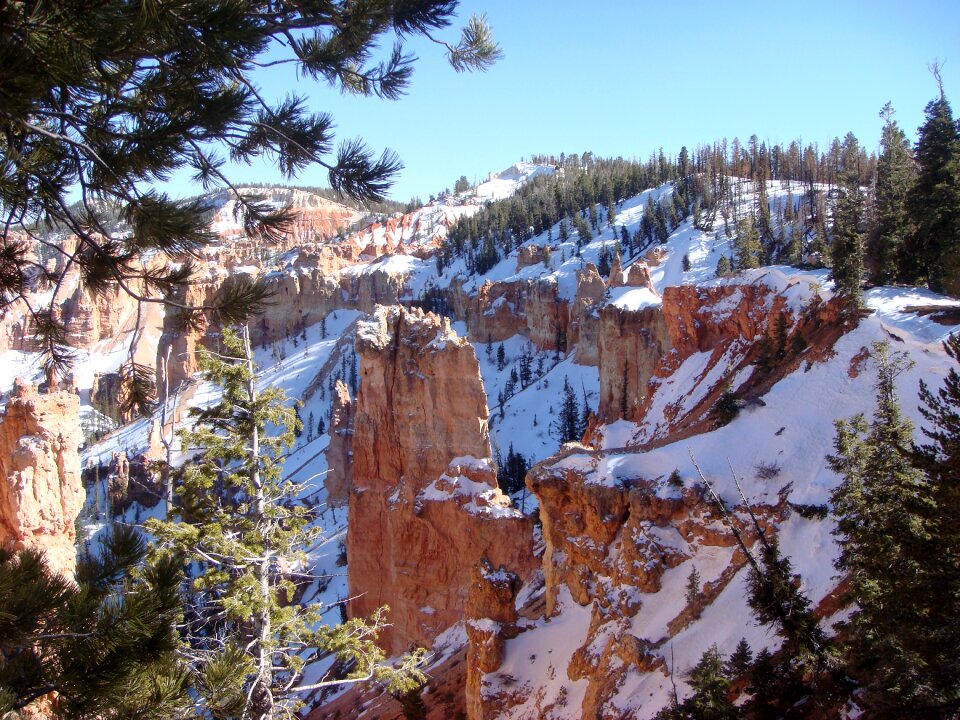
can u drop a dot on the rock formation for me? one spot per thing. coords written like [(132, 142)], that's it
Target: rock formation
[(424, 503), (630, 345), (608, 543), (41, 492), (491, 614), (340, 450), (583, 319)]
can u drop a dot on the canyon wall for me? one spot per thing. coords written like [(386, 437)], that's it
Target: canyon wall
[(424, 502), (41, 492)]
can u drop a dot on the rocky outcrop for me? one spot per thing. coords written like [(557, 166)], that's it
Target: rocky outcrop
[(631, 345), (529, 255), (584, 321), (740, 325), (41, 491), (424, 502), (491, 620), (609, 543), (497, 311), (340, 450)]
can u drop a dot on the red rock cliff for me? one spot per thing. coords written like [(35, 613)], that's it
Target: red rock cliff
[(40, 488), (424, 505)]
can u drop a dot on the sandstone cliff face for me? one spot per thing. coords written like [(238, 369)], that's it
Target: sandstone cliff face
[(583, 327), (497, 311), (340, 451), (424, 504), (41, 492), (630, 345), (732, 325), (491, 620)]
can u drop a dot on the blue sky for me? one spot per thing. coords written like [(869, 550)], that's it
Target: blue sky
[(625, 78)]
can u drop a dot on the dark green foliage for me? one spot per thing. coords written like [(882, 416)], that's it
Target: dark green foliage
[(886, 519), (513, 472), (847, 250), (934, 200), (939, 460), (241, 526), (105, 645), (723, 266), (773, 691), (803, 667), (413, 706), (747, 248), (811, 512), (711, 685), (603, 263), (570, 424), (741, 660), (891, 224), (777, 600), (693, 585), (726, 408)]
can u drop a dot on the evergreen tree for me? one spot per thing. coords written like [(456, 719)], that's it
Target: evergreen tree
[(891, 224), (693, 585), (603, 263), (569, 425), (723, 266), (847, 250), (105, 645), (741, 660), (934, 200), (513, 471), (711, 686), (882, 509), (939, 460), (648, 222), (243, 531), (746, 246)]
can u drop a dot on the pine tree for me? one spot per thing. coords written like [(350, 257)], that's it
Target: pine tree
[(746, 246), (693, 585), (105, 645), (243, 531), (741, 660), (723, 266), (569, 425), (102, 100), (891, 224), (711, 686), (882, 509), (847, 250), (934, 200), (939, 460)]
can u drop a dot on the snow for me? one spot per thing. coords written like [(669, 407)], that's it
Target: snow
[(631, 298), (507, 182), (538, 659)]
